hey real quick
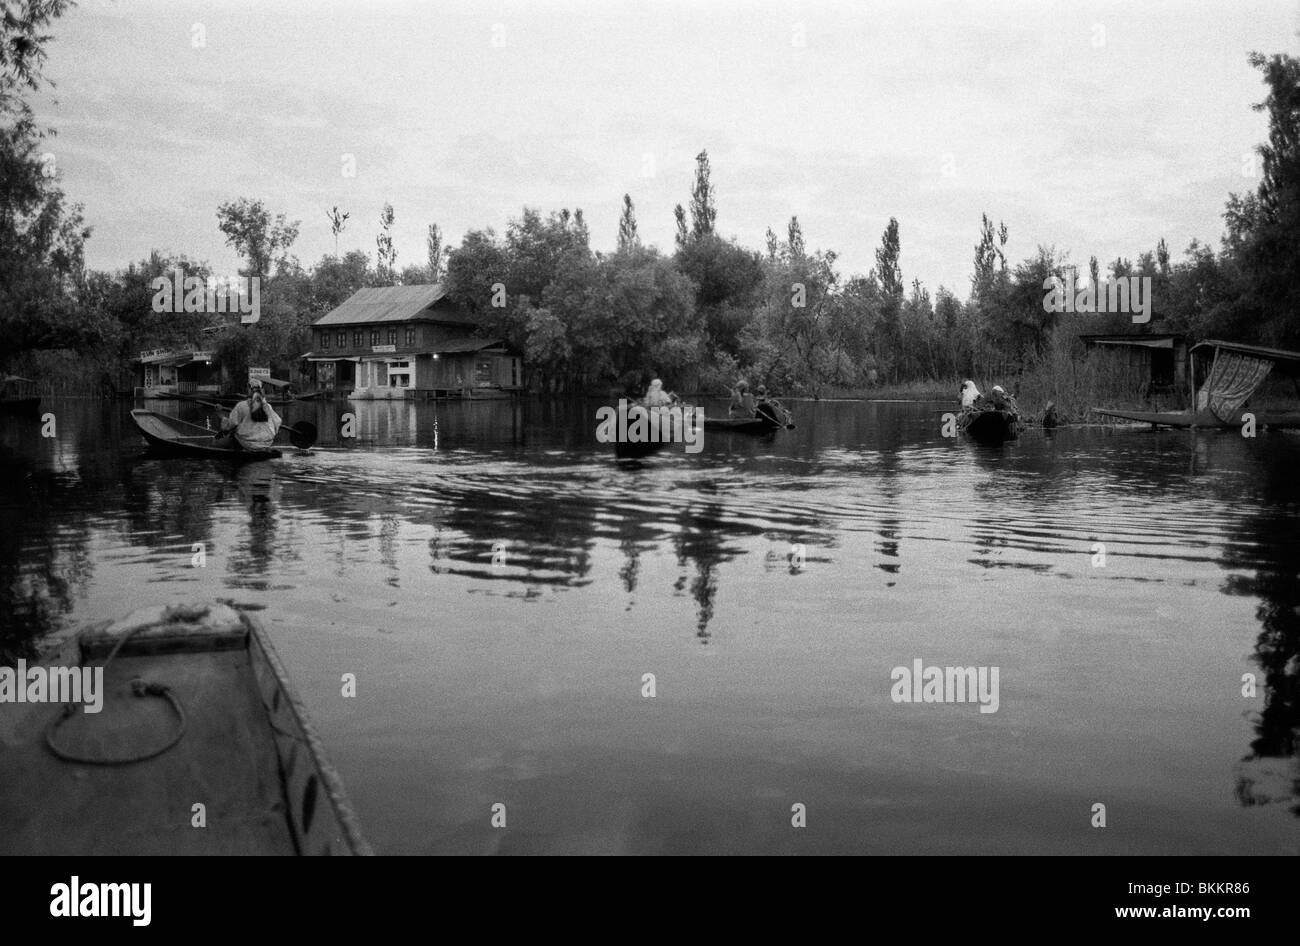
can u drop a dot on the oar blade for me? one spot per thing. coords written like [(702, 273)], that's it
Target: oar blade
[(302, 435)]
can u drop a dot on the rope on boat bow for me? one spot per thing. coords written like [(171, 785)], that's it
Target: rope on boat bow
[(139, 688)]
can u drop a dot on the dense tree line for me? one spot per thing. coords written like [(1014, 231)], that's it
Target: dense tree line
[(700, 317)]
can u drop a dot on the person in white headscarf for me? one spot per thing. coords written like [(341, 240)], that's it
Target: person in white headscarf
[(970, 395), (1001, 399), (656, 396)]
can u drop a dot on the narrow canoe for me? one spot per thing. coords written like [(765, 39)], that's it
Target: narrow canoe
[(1202, 419), (628, 449), (233, 735), (172, 437), (755, 426), (637, 450), (991, 426)]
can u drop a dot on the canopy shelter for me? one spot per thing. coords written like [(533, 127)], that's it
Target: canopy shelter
[(1236, 373)]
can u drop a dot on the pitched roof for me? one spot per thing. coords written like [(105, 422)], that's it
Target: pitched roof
[(1276, 355), (394, 304), (1142, 341), (458, 345)]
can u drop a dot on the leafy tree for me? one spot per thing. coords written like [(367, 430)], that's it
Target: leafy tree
[(386, 255), (728, 282), (334, 280), (337, 221), (433, 244), (773, 245), (42, 237), (1264, 227), (703, 210), (795, 239), (252, 233), (22, 51), (627, 235)]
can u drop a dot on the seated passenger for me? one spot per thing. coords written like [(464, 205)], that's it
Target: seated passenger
[(656, 396)]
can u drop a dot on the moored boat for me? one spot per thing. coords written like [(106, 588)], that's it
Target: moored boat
[(1201, 419), (213, 753), (168, 436)]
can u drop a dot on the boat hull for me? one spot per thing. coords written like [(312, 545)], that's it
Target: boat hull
[(755, 426), (991, 426), (167, 436), (1201, 420), (247, 751)]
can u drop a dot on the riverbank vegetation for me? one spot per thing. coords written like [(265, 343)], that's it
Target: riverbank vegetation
[(700, 315)]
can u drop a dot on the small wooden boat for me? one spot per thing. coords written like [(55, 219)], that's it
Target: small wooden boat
[(990, 425), (168, 436), (212, 753), (637, 449), (1202, 419), (18, 395), (651, 441), (755, 426), (758, 425)]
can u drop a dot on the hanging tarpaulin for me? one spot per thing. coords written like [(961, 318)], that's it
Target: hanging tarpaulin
[(1234, 377)]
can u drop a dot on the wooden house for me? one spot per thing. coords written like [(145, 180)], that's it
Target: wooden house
[(407, 341), (170, 371), (1157, 362)]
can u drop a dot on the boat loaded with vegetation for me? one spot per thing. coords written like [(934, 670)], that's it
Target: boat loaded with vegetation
[(199, 746), (994, 419), (1236, 373)]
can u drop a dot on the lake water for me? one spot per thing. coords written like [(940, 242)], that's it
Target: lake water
[(520, 680)]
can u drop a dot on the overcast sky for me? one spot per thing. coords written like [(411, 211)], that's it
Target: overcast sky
[(1095, 127)]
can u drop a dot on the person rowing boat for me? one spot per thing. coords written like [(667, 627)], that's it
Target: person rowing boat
[(253, 423), (770, 409), (742, 400)]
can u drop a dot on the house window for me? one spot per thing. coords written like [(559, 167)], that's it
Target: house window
[(399, 374), (392, 336), (356, 338), (410, 337), (324, 339), (483, 372), (342, 339), (374, 336)]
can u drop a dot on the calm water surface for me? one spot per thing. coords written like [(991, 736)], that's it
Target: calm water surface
[(520, 681)]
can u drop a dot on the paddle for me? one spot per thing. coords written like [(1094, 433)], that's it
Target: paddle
[(302, 434)]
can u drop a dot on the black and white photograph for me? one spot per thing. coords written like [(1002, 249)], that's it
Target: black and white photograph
[(652, 428)]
